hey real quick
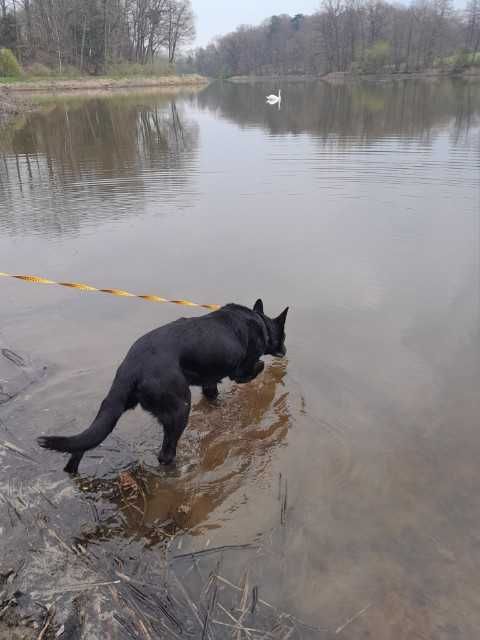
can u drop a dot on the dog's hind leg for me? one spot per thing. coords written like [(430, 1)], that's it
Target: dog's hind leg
[(174, 422), (210, 391), (171, 408), (72, 464)]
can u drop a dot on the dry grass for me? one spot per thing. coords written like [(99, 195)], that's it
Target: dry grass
[(105, 83)]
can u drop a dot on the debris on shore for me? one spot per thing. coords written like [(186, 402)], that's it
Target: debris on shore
[(12, 104)]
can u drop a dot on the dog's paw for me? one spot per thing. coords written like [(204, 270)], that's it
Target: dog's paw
[(165, 458), (43, 442)]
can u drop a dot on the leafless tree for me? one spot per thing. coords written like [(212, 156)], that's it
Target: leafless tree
[(344, 34), (179, 27), (472, 40), (91, 34)]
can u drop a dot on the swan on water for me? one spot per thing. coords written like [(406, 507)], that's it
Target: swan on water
[(273, 99)]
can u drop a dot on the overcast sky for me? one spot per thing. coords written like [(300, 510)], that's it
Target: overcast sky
[(217, 17)]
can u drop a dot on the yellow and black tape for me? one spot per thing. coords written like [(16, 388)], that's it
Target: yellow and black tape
[(113, 292)]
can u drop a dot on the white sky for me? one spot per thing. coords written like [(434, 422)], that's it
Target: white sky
[(218, 17)]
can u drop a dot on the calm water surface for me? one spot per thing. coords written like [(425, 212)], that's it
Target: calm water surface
[(351, 469)]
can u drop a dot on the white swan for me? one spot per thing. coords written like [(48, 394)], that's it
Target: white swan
[(273, 99)]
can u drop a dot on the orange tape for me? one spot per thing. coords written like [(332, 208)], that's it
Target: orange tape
[(113, 292)]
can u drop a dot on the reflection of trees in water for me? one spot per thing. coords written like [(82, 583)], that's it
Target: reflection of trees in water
[(361, 110), (235, 442), (84, 160)]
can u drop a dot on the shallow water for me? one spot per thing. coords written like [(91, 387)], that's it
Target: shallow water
[(350, 469)]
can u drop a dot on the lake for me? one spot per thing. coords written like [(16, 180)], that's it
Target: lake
[(339, 492)]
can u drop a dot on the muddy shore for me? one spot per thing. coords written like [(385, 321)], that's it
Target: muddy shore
[(11, 105)]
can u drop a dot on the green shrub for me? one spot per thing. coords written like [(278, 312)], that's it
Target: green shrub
[(458, 61), (376, 57), (9, 67), (464, 59), (461, 61), (38, 70), (68, 71), (151, 69), (355, 67), (122, 69)]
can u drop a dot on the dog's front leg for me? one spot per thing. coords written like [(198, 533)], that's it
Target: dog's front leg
[(242, 376)]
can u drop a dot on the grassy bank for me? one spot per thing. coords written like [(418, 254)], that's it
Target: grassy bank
[(104, 82)]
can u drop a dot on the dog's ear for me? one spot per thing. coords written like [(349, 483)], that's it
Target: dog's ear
[(280, 321), (258, 306)]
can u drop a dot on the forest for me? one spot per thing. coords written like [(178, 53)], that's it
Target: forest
[(90, 35), (367, 36)]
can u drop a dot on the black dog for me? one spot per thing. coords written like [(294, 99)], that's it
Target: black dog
[(162, 365)]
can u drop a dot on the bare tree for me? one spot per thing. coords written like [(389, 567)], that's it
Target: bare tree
[(180, 26), (91, 34), (472, 39), (345, 34), (147, 23)]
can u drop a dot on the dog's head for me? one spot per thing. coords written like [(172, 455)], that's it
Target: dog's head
[(275, 329)]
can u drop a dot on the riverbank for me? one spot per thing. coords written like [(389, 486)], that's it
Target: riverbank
[(105, 83), (11, 105), (346, 76), (15, 94), (282, 78), (427, 74)]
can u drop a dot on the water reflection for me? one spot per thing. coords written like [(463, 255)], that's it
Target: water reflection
[(367, 225), (83, 160), (232, 446), (348, 113)]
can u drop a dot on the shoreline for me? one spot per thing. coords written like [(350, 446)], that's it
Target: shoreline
[(427, 74), (105, 83), (12, 106), (14, 96), (471, 73)]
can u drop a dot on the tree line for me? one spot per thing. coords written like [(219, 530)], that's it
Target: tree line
[(91, 34), (349, 35)]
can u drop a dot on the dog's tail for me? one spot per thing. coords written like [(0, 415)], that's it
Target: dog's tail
[(118, 400)]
